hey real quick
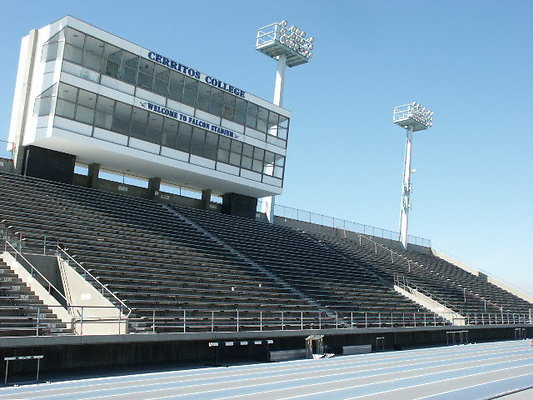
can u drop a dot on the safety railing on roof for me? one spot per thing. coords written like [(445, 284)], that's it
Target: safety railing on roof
[(342, 224)]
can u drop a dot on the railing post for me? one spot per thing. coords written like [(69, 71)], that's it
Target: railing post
[(391, 320), (366, 319), (153, 320), (351, 319), (282, 322), (414, 318), (302, 320), (119, 318), (261, 321), (184, 320), (379, 319), (336, 321), (319, 320), (212, 320), (81, 322), (238, 321), (434, 319), (38, 321)]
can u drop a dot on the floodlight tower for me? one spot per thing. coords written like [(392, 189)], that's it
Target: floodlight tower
[(290, 48), (413, 117)]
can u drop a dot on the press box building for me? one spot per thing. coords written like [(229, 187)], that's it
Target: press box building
[(86, 96)]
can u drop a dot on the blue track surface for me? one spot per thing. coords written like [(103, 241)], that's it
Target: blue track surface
[(478, 371)]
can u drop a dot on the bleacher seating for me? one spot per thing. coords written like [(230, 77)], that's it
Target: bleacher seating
[(335, 282), (145, 255), (176, 266), (21, 312), (450, 285)]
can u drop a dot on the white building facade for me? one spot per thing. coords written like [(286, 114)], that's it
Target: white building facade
[(87, 93)]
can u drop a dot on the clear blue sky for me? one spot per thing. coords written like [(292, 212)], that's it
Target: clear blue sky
[(469, 61)]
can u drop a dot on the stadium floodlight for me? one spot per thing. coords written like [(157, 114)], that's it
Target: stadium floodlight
[(289, 47), (413, 117)]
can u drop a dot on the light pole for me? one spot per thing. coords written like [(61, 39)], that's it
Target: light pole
[(413, 117), (289, 46)]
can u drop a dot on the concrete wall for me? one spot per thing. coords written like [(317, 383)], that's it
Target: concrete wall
[(432, 305), (95, 315), (36, 287), (65, 353)]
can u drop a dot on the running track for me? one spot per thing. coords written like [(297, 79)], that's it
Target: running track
[(476, 371)]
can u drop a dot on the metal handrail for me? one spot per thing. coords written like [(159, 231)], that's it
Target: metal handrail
[(33, 268), (409, 261), (103, 287), (400, 280)]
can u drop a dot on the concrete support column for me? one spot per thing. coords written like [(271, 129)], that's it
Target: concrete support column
[(94, 171), (154, 184), (206, 198)]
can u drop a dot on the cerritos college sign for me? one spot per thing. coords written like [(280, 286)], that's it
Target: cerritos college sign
[(167, 62), (167, 112)]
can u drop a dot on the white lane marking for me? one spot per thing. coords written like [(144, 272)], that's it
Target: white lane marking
[(472, 386), (205, 371), (279, 372), (344, 380), (269, 391)]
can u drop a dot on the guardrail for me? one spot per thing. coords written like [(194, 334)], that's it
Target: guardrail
[(35, 273), (103, 288), (157, 320), (339, 223)]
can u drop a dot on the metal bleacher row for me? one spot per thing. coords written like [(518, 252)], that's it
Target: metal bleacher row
[(185, 264)]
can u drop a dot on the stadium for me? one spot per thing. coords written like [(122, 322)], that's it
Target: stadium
[(193, 264)]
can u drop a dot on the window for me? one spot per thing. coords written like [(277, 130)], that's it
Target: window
[(121, 118), (92, 54), (262, 117), (283, 127), (240, 111), (176, 86), (128, 71), (251, 116), (269, 163), (210, 148), (146, 74), (169, 136), (43, 103), (112, 59), (228, 110), (197, 141), (75, 38), (224, 145), (235, 155), (51, 47), (247, 153), (203, 97), (190, 87), (73, 54), (161, 80), (278, 169), (259, 155), (104, 112), (184, 137), (273, 120), (215, 105), (153, 131), (139, 120), (66, 98), (85, 107)]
